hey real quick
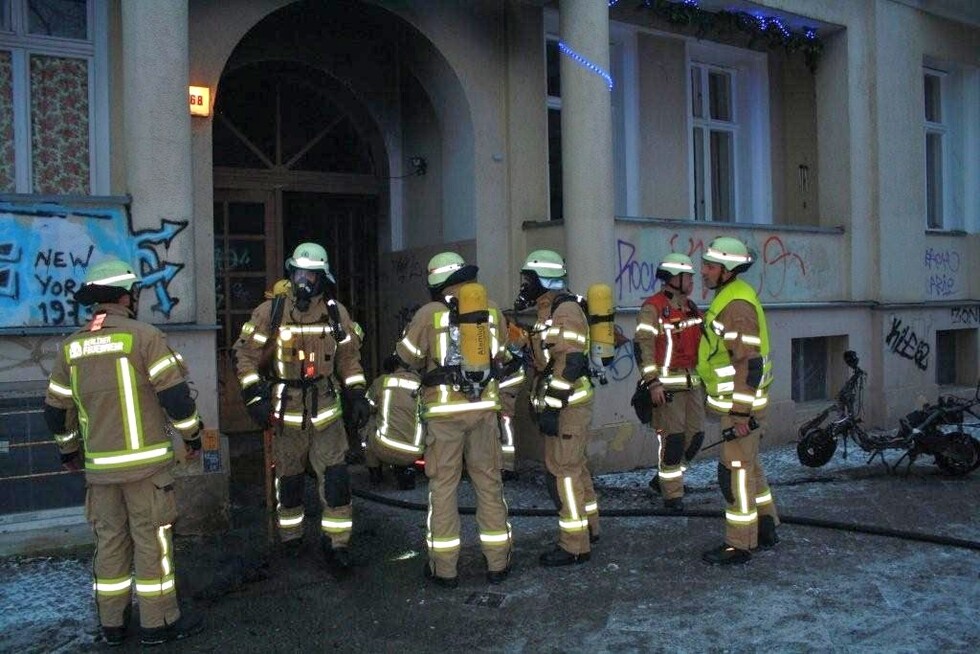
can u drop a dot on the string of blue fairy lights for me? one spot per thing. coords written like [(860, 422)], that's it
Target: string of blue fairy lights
[(585, 63)]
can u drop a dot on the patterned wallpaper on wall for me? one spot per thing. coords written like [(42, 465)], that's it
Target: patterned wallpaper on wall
[(60, 125), (6, 123)]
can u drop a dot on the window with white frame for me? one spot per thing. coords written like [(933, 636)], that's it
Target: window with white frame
[(53, 97), (729, 126), (951, 126), (714, 135), (935, 129)]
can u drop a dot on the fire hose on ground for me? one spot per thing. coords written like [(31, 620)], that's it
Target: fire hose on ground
[(651, 512)]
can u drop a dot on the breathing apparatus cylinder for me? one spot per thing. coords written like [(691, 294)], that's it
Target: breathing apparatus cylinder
[(602, 315), (474, 333)]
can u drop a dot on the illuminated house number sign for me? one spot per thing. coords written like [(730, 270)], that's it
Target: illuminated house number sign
[(200, 99)]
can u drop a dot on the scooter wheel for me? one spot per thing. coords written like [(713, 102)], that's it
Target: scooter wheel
[(816, 447), (961, 454)]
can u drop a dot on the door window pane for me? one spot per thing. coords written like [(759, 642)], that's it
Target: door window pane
[(554, 163), (553, 64), (246, 218), (243, 256), (809, 369), (63, 18), (7, 180), (59, 124), (5, 15), (722, 177), (720, 95), (934, 180), (934, 109)]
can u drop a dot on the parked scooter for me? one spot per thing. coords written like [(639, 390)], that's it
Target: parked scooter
[(935, 430)]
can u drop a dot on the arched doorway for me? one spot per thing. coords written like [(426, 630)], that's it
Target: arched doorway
[(293, 162)]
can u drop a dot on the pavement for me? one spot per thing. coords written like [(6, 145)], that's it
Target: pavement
[(644, 590)]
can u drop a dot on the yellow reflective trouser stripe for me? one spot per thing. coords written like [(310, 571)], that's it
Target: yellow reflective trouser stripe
[(161, 586), (290, 517), (188, 422), (670, 472), (495, 537), (575, 522), (591, 507), (442, 544), (112, 586), (764, 498), (65, 438), (739, 512), (165, 565), (249, 379), (336, 525)]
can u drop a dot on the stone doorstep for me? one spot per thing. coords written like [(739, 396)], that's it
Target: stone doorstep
[(39, 532)]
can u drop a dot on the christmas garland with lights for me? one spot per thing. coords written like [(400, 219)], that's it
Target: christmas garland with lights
[(754, 30)]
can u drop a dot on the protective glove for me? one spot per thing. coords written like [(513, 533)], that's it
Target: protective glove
[(548, 422), (192, 448), (358, 407), (261, 411), (72, 461), (257, 403)]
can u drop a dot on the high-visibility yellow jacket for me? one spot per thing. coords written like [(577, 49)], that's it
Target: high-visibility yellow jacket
[(733, 356), (311, 363), (113, 378)]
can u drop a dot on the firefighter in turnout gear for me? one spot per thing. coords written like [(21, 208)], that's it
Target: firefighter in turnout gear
[(561, 397), (734, 364), (312, 350), (124, 389), (456, 343), (666, 347)]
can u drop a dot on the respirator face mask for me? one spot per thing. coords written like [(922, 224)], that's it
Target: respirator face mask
[(531, 290), (307, 284)]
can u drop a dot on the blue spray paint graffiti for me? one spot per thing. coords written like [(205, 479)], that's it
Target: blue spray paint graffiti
[(45, 249)]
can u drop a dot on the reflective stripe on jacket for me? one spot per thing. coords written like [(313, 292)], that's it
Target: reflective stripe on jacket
[(305, 347), (110, 373), (558, 333), (667, 339), (714, 363), (431, 342)]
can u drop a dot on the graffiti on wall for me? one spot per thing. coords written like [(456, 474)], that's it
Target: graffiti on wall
[(45, 250), (903, 341), (781, 271), (942, 272), (969, 315)]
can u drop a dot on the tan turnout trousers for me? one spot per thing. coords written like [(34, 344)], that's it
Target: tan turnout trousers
[(746, 491), (681, 418), (132, 525), (294, 450), (565, 458), (470, 438)]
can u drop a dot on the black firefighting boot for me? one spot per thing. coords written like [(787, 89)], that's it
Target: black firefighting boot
[(654, 483), (187, 625), (767, 532), (725, 554), (338, 559), (674, 504), (116, 636), (558, 556), (445, 582)]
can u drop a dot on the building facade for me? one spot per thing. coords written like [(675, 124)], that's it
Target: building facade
[(839, 139)]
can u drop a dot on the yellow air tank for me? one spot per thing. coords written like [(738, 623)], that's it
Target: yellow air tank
[(602, 315), (474, 333)]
